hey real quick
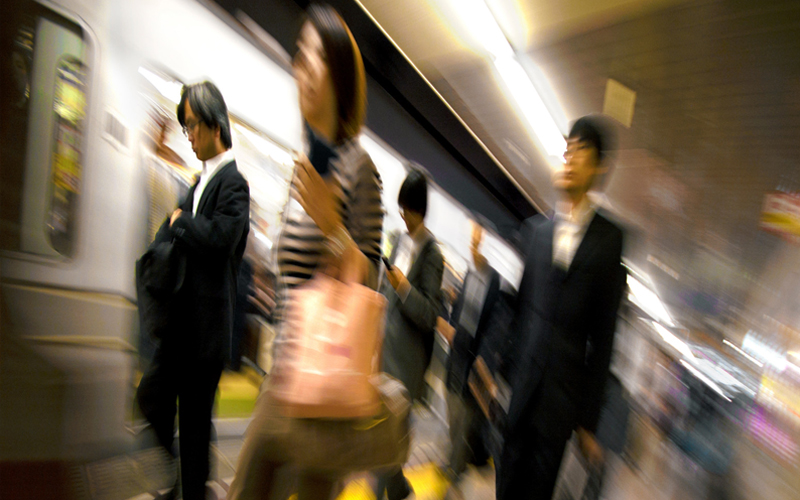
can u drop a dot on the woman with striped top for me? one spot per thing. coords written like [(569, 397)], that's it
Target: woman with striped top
[(333, 216)]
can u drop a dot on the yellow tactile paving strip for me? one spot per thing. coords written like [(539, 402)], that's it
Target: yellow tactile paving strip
[(427, 481)]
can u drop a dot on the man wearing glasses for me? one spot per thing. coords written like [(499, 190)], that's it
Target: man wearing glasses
[(564, 316), (210, 229)]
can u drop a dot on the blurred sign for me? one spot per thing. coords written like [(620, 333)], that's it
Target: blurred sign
[(619, 102), (781, 215)]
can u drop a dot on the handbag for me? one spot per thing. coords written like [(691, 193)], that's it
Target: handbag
[(332, 340), (160, 274), (342, 445)]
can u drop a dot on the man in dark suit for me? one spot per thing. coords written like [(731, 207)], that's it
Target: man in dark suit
[(416, 279), (464, 334), (210, 227), (565, 315)]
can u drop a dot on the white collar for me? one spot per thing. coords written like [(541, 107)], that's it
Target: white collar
[(580, 214), (211, 165)]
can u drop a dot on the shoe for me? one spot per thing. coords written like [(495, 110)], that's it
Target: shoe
[(402, 493)]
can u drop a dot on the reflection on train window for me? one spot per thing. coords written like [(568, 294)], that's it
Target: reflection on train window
[(69, 107), (14, 137), (43, 136)]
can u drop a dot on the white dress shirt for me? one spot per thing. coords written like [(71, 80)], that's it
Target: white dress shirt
[(570, 227), (476, 285), (408, 249), (210, 167)]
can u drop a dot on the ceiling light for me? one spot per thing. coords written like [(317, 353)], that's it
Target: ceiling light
[(531, 104), (480, 22)]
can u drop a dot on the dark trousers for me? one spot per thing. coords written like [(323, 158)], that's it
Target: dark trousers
[(194, 383), (394, 483), (528, 466), (466, 422)]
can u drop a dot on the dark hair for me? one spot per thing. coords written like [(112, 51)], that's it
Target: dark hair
[(346, 69), (414, 192), (207, 103), (596, 131)]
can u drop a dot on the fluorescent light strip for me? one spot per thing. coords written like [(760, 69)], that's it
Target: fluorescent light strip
[(530, 103), (481, 23), (747, 356), (453, 111)]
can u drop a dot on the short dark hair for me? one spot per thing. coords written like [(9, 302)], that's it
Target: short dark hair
[(596, 131), (414, 192), (207, 103), (346, 69)]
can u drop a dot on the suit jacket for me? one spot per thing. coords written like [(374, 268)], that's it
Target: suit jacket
[(566, 321), (465, 346), (213, 242), (408, 342)]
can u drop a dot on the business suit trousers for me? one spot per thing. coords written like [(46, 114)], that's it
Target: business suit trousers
[(466, 440), (174, 384), (394, 483), (528, 466)]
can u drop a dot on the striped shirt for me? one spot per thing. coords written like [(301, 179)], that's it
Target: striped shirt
[(301, 247)]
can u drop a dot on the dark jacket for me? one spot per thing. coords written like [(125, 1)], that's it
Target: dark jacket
[(566, 322), (213, 242), (465, 345), (408, 343)]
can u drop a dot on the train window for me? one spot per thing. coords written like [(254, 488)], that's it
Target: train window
[(43, 136), (69, 108), (14, 137)]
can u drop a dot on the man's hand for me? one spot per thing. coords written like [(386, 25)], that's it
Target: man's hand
[(396, 278), (177, 213), (445, 329), (590, 448)]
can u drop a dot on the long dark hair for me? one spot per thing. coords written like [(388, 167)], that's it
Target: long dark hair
[(346, 69)]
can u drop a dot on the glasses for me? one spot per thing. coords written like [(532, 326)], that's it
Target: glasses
[(189, 127), (580, 147)]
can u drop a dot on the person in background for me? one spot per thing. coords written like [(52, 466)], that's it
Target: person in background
[(334, 213), (415, 274), (565, 313), (210, 228), (464, 333)]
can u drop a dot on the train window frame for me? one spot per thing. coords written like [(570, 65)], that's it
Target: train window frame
[(27, 235)]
